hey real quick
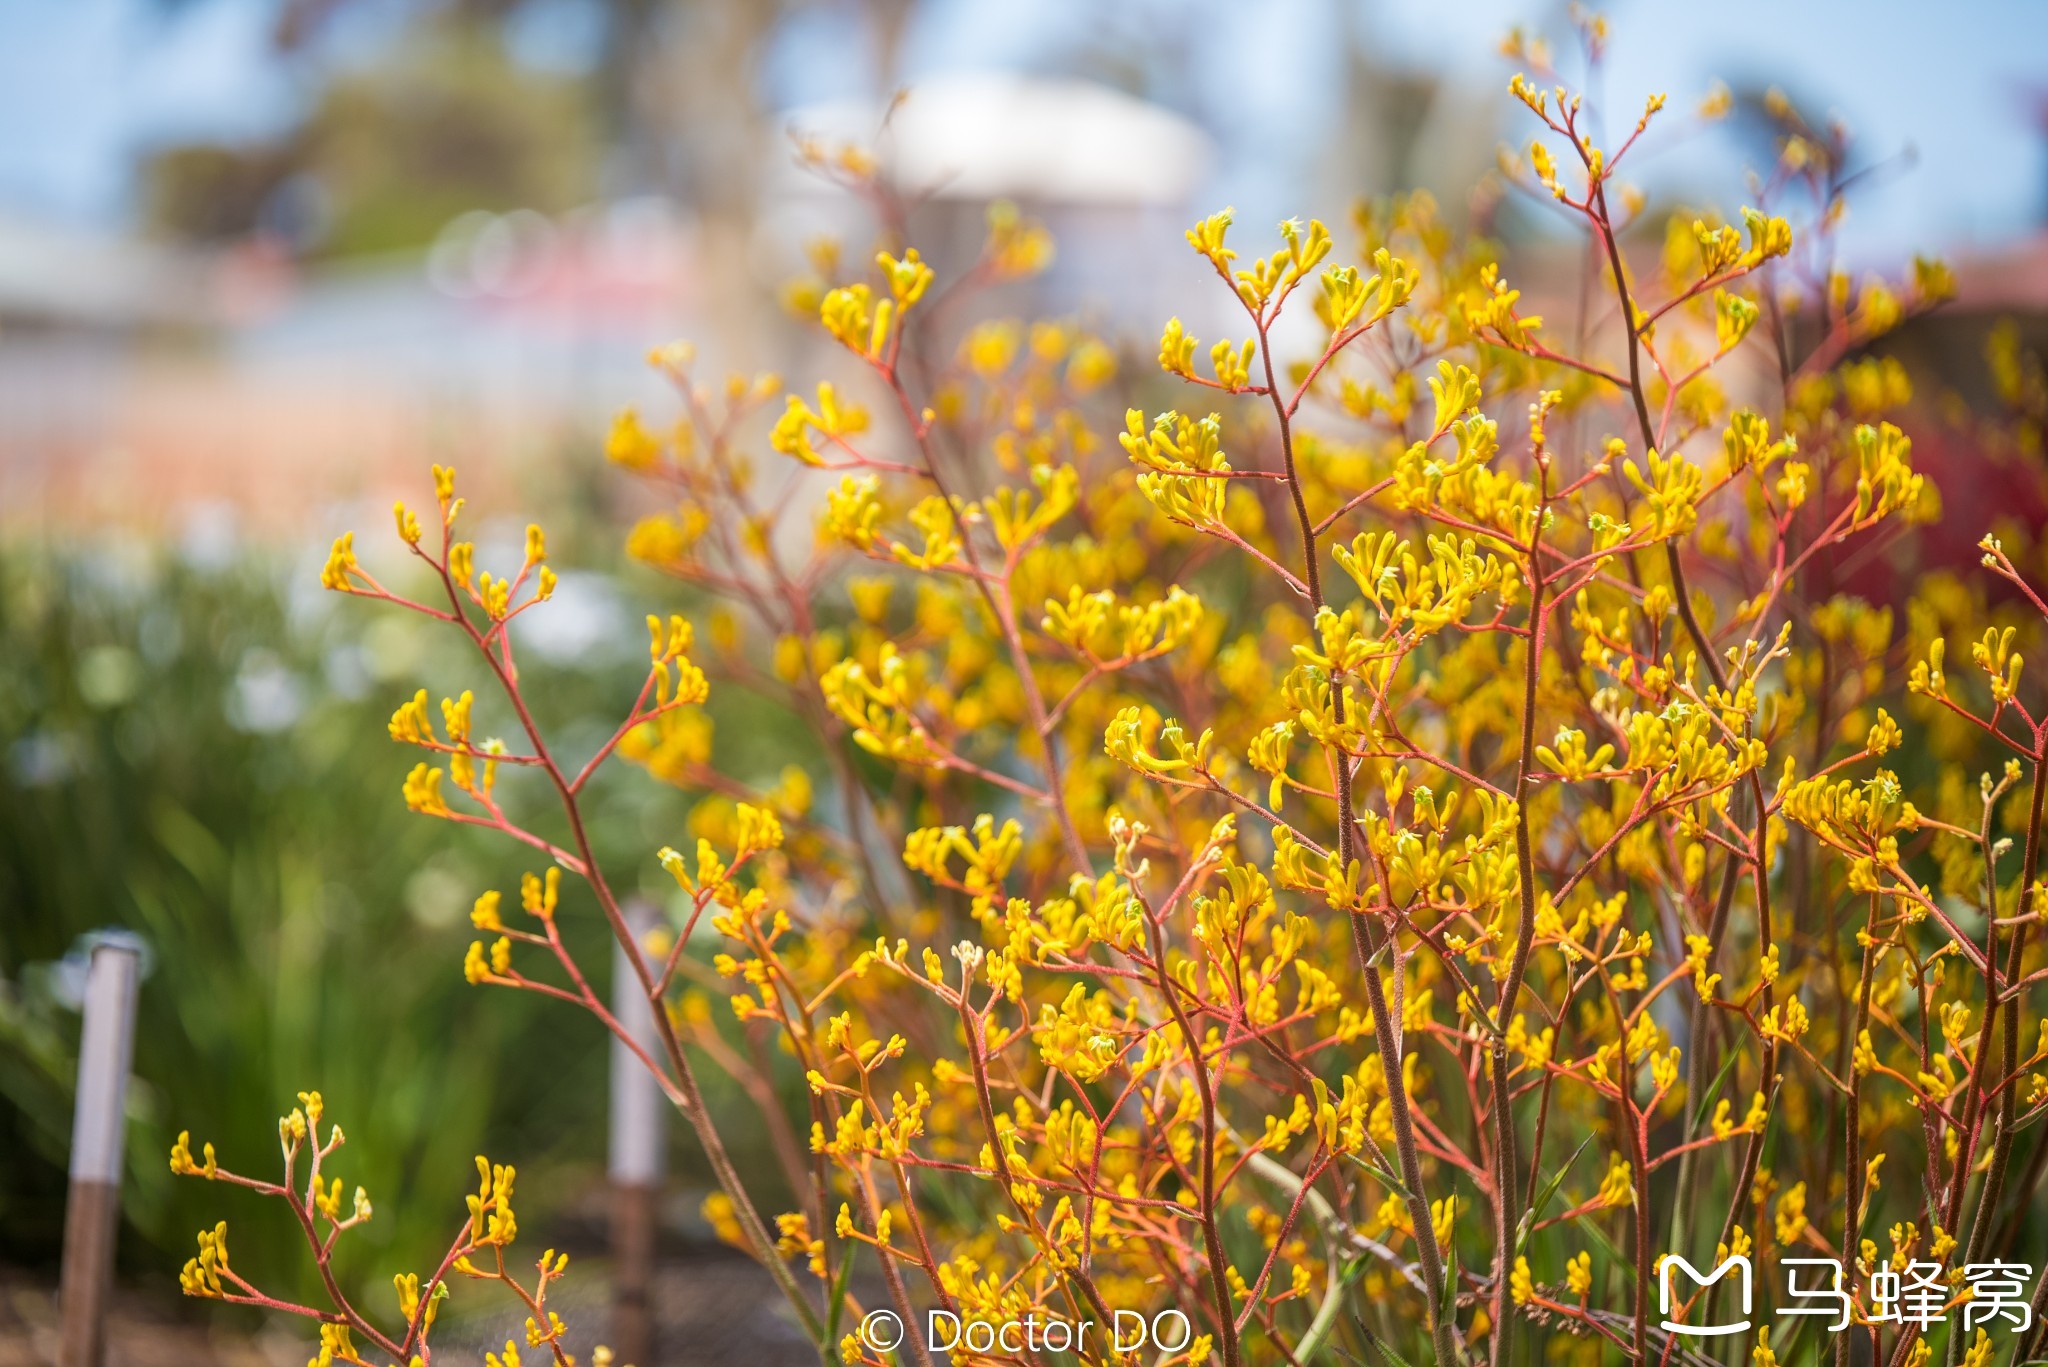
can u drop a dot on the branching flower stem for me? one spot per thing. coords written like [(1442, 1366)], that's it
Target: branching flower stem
[(681, 1087), (1366, 934)]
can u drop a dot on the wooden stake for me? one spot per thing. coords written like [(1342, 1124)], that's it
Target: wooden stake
[(92, 1211), (638, 1112)]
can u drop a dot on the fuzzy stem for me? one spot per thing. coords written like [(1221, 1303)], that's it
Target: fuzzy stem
[(2001, 1143), (1365, 935), (685, 1092), (1506, 1186)]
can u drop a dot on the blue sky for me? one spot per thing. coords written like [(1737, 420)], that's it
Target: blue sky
[(86, 84), (1957, 81)]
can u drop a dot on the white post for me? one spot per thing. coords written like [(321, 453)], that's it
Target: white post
[(92, 1212), (638, 1131), (638, 1108)]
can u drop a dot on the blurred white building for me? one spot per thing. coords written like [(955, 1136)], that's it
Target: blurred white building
[(1114, 177)]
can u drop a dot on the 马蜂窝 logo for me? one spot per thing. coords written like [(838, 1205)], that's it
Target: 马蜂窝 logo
[(1737, 1263)]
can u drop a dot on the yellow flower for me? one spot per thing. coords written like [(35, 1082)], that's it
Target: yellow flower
[(1578, 1275), (630, 444)]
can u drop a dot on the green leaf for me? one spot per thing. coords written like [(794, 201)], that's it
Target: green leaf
[(1447, 1313), (1373, 1340), (1544, 1198), (1707, 1097), (1605, 1244), (1385, 1178), (837, 1301), (1790, 1342), (1326, 1314)]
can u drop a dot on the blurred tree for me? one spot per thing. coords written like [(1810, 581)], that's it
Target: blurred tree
[(449, 124), (204, 192), (443, 122)]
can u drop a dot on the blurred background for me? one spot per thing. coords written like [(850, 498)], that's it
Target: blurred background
[(261, 261)]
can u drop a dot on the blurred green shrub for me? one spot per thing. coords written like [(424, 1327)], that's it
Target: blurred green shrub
[(189, 752)]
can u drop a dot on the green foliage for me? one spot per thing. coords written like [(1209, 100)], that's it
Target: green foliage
[(185, 758)]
